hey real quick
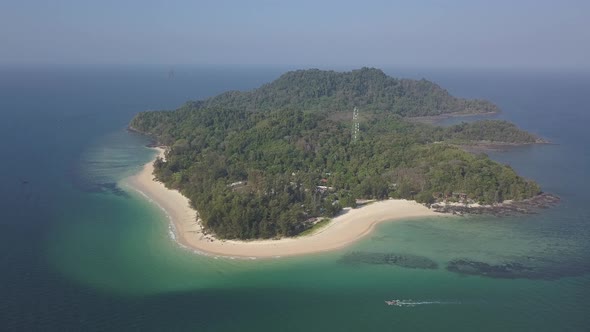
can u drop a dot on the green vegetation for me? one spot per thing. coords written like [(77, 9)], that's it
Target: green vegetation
[(491, 131), (264, 164), (316, 227), (367, 88)]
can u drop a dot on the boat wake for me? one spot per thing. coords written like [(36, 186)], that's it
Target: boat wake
[(410, 303)]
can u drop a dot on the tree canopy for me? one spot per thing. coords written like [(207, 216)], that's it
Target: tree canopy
[(267, 163), (366, 88)]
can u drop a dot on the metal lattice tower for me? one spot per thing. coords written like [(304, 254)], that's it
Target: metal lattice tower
[(355, 124)]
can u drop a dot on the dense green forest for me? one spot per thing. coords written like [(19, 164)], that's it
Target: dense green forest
[(367, 88), (266, 163), (489, 131)]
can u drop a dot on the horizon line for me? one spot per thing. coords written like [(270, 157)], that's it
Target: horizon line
[(307, 66)]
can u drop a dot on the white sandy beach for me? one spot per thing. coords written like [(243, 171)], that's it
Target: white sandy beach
[(343, 230)]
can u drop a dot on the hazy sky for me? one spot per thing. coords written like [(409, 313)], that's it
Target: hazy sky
[(312, 33)]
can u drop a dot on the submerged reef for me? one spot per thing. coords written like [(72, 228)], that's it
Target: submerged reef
[(377, 258), (542, 269)]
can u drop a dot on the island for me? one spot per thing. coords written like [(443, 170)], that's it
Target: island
[(282, 160)]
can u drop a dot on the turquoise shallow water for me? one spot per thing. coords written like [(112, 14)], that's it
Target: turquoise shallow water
[(83, 253)]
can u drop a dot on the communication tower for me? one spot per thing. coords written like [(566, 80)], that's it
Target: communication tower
[(355, 124)]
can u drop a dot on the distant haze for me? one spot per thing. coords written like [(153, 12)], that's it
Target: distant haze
[(532, 34)]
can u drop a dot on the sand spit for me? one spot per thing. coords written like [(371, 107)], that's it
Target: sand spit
[(348, 227)]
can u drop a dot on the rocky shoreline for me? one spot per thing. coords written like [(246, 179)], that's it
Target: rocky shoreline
[(483, 147), (508, 208)]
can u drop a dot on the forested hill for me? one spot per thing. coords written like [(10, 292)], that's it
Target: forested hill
[(488, 131), (273, 172), (366, 88)]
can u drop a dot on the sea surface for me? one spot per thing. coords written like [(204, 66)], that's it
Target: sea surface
[(79, 252)]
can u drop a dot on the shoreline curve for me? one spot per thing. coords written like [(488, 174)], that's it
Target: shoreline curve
[(343, 230)]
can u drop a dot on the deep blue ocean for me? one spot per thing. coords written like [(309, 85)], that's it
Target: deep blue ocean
[(80, 252)]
